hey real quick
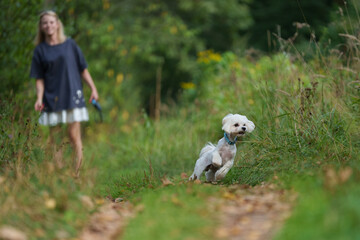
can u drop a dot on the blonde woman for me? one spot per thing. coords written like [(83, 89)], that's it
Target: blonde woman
[(58, 66)]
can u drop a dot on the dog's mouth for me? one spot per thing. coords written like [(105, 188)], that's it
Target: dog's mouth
[(241, 133)]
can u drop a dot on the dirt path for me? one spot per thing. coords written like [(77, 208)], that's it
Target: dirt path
[(251, 213), (108, 222), (243, 212)]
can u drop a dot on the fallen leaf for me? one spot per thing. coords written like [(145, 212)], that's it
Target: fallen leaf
[(50, 203), (166, 182), (331, 179), (184, 176), (345, 174), (99, 201), (197, 181), (228, 195), (11, 233)]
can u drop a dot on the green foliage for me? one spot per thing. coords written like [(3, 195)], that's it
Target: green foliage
[(278, 17), (17, 32), (17, 134), (342, 31)]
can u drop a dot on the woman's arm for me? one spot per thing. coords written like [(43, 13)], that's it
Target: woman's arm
[(39, 93), (89, 81)]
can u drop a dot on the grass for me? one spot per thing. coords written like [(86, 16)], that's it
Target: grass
[(176, 212), (306, 139)]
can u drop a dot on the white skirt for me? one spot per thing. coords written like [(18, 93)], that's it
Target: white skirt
[(64, 116)]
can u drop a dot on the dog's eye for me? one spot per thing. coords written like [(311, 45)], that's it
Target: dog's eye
[(236, 125), (244, 124)]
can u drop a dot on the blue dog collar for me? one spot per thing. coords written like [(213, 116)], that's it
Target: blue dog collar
[(228, 140)]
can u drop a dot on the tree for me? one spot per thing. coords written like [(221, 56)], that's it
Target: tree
[(17, 31), (277, 16)]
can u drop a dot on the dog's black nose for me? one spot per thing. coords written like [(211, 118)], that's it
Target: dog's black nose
[(243, 128)]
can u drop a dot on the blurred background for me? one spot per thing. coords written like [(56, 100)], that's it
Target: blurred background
[(141, 53)]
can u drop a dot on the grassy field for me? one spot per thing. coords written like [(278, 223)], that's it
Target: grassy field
[(307, 139)]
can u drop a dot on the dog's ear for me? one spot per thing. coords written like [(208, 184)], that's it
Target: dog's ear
[(226, 123), (250, 125)]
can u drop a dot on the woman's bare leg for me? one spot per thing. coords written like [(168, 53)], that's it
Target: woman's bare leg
[(55, 145), (75, 138)]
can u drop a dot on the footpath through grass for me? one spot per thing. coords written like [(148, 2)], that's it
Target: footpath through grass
[(306, 140)]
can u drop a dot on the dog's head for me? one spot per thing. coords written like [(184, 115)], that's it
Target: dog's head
[(237, 125)]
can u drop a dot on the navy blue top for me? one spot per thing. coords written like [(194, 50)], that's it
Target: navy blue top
[(60, 66)]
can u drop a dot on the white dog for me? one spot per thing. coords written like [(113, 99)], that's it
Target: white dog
[(217, 160)]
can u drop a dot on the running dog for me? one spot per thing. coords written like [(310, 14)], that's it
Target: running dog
[(217, 160)]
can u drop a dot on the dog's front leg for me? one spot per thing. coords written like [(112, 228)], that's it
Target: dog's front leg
[(221, 173), (216, 159)]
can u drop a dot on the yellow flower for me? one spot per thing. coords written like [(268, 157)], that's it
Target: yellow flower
[(173, 30), (187, 85), (251, 101), (119, 78), (110, 28), (110, 73), (208, 56), (106, 5), (125, 115), (216, 57)]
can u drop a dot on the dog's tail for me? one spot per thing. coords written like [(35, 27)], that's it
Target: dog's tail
[(208, 147)]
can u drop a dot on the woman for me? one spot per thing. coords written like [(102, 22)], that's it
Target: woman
[(58, 66)]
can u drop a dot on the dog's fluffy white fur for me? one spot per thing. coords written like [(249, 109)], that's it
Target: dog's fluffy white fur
[(217, 160)]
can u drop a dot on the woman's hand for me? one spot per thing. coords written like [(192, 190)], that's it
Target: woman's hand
[(94, 95), (39, 106), (88, 79)]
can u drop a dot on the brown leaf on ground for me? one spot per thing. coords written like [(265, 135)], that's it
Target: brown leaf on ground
[(166, 182), (345, 174), (184, 176), (11, 233), (197, 181)]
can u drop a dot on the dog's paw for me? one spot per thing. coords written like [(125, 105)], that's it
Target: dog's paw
[(192, 177)]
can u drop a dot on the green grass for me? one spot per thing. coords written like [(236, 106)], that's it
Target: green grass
[(305, 125), (175, 212)]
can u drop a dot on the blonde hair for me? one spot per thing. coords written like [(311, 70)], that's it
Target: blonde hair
[(40, 36)]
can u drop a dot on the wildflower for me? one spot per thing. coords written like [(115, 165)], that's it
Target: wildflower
[(110, 28), (187, 85), (119, 78), (106, 4), (110, 73), (173, 30)]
